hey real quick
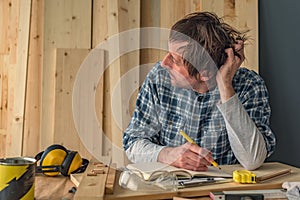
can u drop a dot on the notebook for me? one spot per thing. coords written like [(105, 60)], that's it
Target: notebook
[(149, 169)]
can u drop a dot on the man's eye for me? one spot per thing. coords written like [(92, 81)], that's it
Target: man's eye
[(176, 62), (173, 60)]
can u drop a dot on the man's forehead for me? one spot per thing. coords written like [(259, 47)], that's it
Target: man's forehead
[(177, 47)]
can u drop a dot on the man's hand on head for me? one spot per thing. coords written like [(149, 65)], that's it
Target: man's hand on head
[(235, 57)]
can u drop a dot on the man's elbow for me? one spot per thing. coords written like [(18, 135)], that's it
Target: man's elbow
[(252, 165), (255, 162)]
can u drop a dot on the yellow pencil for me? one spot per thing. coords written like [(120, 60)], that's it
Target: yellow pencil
[(190, 140)]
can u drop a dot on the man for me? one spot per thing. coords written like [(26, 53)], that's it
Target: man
[(200, 88)]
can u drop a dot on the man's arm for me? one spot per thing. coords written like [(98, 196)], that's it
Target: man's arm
[(140, 139), (246, 140), (142, 150)]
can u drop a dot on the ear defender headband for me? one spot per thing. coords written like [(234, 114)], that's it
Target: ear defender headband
[(57, 159)]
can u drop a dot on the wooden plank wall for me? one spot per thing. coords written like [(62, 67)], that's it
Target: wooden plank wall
[(243, 15), (35, 72), (67, 24), (15, 133), (15, 20), (5, 54), (31, 142), (121, 16)]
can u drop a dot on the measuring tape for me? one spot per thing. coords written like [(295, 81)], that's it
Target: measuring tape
[(244, 176)]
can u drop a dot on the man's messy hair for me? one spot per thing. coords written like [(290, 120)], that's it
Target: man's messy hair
[(207, 36)]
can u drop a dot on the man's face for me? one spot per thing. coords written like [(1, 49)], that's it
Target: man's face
[(178, 71)]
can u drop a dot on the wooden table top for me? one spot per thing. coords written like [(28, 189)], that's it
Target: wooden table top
[(58, 187)]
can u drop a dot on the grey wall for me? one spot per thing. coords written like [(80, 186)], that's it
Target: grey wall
[(279, 59)]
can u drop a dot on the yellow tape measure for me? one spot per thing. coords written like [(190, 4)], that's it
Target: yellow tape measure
[(244, 176)]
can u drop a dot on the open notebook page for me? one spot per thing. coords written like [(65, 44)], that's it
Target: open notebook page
[(147, 168)]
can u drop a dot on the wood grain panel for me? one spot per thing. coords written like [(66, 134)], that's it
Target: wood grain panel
[(67, 24), (68, 62), (121, 16), (15, 131), (111, 128), (31, 141), (4, 24), (3, 103)]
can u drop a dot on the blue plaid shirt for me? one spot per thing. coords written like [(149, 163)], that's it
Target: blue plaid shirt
[(162, 110)]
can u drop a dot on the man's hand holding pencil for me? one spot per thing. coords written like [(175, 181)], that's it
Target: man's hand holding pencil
[(188, 156), (192, 141)]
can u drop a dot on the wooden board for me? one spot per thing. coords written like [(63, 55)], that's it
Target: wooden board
[(67, 24), (2, 142), (111, 177), (16, 20), (3, 104), (110, 180), (15, 130), (76, 178), (4, 24), (83, 102), (151, 11), (68, 62), (112, 128), (99, 34), (121, 16), (92, 187), (31, 141), (177, 9)]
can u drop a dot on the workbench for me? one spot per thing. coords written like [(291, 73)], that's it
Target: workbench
[(58, 187)]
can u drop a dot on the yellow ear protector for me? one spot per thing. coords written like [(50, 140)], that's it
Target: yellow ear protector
[(57, 159)]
